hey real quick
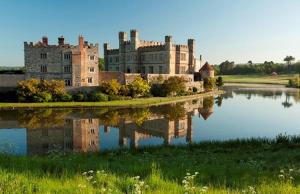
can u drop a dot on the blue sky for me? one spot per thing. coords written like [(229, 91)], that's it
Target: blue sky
[(237, 30)]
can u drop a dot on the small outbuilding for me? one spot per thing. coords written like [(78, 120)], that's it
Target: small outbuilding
[(206, 70)]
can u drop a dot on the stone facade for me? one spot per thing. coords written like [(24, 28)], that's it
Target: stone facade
[(149, 57), (77, 65)]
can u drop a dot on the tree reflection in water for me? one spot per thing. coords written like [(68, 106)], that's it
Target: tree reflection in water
[(78, 130)]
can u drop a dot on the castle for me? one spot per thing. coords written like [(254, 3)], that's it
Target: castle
[(77, 65), (149, 57)]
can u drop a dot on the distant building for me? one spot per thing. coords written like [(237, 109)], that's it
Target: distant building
[(77, 65), (206, 70), (150, 57)]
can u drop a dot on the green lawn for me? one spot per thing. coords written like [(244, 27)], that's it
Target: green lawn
[(252, 166), (258, 79), (117, 103)]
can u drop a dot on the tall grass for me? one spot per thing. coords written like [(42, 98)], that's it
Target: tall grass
[(235, 166)]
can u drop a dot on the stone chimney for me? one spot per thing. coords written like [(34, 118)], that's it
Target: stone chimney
[(81, 42), (45, 40), (61, 40)]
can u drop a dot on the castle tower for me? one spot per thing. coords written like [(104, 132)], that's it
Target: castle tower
[(122, 40), (170, 63), (191, 46), (106, 48), (134, 38)]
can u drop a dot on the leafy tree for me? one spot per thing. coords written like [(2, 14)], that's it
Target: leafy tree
[(98, 97), (101, 64), (289, 59), (27, 89), (174, 85), (219, 82), (139, 87), (250, 62), (209, 83), (226, 67), (111, 87)]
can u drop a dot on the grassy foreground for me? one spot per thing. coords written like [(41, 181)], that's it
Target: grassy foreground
[(239, 166), (258, 79), (116, 103)]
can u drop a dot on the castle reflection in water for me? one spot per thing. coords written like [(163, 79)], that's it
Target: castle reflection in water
[(77, 130)]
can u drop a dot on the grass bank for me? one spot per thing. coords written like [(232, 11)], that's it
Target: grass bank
[(138, 102), (238, 166), (258, 79)]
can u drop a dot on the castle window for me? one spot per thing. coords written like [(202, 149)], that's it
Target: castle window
[(43, 68), (67, 82), (90, 80), (92, 131), (182, 56), (143, 69), (160, 69), (161, 57), (67, 56), (91, 69), (67, 69), (43, 55), (182, 69), (110, 59), (90, 120), (117, 68), (117, 59), (92, 57), (143, 57), (150, 69)]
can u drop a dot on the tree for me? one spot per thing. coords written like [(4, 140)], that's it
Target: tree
[(111, 87), (226, 67), (174, 86), (250, 62), (289, 59), (35, 90), (101, 64), (139, 87), (219, 82), (209, 83)]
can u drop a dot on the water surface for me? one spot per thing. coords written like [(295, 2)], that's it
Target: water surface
[(242, 112)]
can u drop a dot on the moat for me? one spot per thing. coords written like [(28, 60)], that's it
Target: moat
[(242, 112)]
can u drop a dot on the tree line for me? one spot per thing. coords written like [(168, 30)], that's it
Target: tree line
[(268, 67)]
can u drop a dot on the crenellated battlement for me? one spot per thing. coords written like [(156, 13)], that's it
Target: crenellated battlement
[(152, 48), (113, 51), (61, 44), (136, 55)]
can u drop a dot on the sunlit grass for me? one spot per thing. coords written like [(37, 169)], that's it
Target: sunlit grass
[(239, 166), (258, 79), (116, 103)]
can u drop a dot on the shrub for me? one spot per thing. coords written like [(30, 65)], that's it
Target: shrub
[(174, 86), (115, 97), (80, 97), (98, 97), (156, 90), (65, 97), (42, 97), (111, 87), (295, 82), (209, 83), (195, 90), (139, 87), (124, 91), (34, 90), (219, 82)]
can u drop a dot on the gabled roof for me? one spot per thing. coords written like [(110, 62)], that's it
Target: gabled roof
[(206, 67)]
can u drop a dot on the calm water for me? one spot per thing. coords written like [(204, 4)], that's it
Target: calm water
[(240, 113)]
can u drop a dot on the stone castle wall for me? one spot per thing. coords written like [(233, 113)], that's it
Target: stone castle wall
[(139, 56), (10, 80)]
